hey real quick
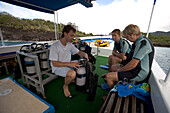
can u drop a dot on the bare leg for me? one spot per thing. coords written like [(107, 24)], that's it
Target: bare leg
[(111, 78), (113, 60), (71, 74), (116, 60), (115, 67), (110, 62)]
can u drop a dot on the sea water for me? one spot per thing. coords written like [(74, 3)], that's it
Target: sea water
[(162, 55), (14, 43)]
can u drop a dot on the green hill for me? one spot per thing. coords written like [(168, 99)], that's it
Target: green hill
[(25, 29), (159, 33), (41, 30), (160, 40)]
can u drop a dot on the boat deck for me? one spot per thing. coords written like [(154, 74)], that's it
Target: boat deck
[(79, 103)]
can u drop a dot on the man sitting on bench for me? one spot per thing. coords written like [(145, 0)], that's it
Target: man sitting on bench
[(139, 67)]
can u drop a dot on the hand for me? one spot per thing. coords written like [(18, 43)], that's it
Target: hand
[(75, 64), (104, 75), (86, 56), (124, 58)]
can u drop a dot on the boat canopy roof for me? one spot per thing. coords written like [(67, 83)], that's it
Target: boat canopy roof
[(48, 6)]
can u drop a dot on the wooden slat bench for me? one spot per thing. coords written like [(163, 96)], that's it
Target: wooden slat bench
[(115, 104)]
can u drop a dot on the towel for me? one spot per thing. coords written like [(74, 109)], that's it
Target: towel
[(141, 91)]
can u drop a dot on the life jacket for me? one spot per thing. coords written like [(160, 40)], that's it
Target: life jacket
[(118, 47)]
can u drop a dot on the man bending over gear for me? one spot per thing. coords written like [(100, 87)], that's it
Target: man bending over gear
[(139, 67), (60, 57)]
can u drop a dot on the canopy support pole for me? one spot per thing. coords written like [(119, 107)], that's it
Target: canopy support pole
[(150, 18), (2, 40), (56, 28)]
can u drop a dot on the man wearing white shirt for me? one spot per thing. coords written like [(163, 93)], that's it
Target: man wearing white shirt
[(60, 57)]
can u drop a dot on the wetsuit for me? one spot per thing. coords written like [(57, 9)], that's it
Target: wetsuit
[(142, 50), (122, 46)]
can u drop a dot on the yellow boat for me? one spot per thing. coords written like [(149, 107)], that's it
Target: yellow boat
[(101, 43)]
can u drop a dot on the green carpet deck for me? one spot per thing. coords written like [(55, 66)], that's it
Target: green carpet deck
[(78, 104)]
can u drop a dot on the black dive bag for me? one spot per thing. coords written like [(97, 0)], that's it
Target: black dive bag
[(82, 46)]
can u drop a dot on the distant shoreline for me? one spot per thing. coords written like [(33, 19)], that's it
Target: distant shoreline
[(160, 44), (154, 43)]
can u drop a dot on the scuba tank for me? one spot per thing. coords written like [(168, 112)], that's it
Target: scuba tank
[(29, 62), (30, 66), (43, 56), (81, 76), (43, 61), (17, 71)]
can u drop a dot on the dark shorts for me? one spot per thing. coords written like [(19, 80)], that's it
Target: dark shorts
[(126, 74)]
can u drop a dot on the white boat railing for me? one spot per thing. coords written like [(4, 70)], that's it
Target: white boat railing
[(166, 81)]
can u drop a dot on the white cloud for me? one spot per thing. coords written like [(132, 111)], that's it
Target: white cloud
[(103, 19)]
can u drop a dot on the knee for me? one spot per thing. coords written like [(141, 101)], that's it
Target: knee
[(71, 74), (112, 76), (109, 76), (113, 68)]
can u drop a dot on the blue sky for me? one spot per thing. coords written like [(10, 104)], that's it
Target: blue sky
[(105, 15), (104, 2)]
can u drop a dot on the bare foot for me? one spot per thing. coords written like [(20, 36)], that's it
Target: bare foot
[(104, 75), (66, 91)]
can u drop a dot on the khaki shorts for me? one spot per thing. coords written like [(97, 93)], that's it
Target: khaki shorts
[(62, 71)]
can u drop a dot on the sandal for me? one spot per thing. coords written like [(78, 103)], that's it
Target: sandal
[(70, 97)]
